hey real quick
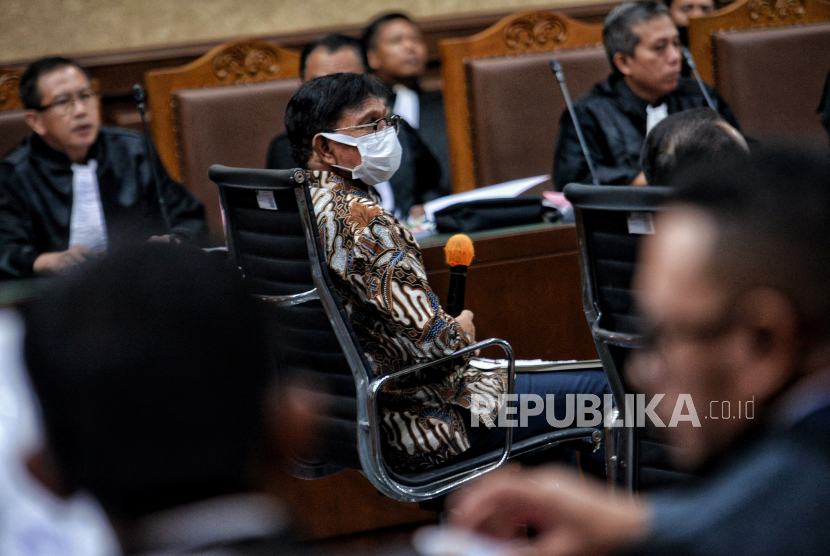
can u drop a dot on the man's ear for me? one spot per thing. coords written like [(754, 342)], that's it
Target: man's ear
[(622, 63), (322, 148), (34, 120), (771, 343), (42, 466), (373, 59)]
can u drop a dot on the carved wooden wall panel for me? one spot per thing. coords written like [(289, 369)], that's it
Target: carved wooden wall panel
[(10, 90)]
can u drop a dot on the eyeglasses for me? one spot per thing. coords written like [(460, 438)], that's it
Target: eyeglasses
[(655, 337), (392, 121), (64, 104)]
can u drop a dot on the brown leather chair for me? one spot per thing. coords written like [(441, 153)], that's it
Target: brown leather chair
[(222, 108), (13, 128), (769, 60), (502, 102), (227, 125)]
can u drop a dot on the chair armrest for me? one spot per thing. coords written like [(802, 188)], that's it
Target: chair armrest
[(288, 300), (373, 424), (618, 338)]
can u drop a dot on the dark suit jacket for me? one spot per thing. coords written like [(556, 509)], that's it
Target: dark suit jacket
[(771, 496), (433, 130), (36, 199), (279, 157), (824, 107), (613, 121)]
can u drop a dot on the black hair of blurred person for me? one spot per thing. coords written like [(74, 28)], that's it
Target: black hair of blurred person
[(771, 210), (152, 370), (686, 137), (370, 34), (333, 43), (29, 90), (318, 105)]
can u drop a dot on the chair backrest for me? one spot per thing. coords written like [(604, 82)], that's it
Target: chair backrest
[(268, 225), (223, 108), (769, 61), (508, 65), (13, 128), (610, 222)]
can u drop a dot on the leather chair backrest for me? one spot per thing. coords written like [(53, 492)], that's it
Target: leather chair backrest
[(231, 65), (515, 105), (773, 79), (270, 248), (609, 242), (231, 126), (13, 130), (468, 88)]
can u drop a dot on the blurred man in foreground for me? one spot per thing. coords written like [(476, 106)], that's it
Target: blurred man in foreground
[(155, 384), (734, 290)]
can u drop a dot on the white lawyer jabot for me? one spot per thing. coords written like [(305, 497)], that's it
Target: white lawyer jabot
[(86, 223), (407, 105), (655, 115)]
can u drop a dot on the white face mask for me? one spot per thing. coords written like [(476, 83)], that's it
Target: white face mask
[(380, 154)]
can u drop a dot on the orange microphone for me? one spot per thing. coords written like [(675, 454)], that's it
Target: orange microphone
[(459, 252)]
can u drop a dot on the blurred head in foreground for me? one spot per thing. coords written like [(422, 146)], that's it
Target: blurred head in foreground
[(735, 290), (154, 379), (688, 137)]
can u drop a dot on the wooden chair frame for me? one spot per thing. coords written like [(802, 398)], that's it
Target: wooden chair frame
[(10, 89), (233, 63), (523, 33), (748, 14)]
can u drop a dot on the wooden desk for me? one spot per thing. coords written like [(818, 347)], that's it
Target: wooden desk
[(523, 287)]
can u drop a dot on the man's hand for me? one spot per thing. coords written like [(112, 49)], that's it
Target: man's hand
[(59, 262), (568, 515), (166, 238), (465, 319), (639, 180)]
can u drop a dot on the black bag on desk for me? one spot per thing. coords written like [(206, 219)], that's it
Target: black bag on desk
[(487, 214)]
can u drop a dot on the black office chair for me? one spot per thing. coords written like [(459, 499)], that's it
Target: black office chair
[(610, 221), (272, 236)]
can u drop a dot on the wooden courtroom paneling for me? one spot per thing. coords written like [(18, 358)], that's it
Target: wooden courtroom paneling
[(523, 287), (118, 71)]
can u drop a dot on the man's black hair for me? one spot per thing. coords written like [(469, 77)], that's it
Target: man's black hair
[(319, 104), (618, 30), (29, 91), (685, 137), (772, 216), (151, 369), (370, 34), (333, 43)]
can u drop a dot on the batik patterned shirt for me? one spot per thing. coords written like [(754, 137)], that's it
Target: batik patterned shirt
[(377, 270)]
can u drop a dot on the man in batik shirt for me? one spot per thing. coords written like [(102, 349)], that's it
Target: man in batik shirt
[(338, 125)]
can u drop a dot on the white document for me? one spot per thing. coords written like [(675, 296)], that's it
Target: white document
[(506, 190)]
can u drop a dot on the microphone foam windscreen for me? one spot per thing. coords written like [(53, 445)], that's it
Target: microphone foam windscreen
[(459, 250)]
